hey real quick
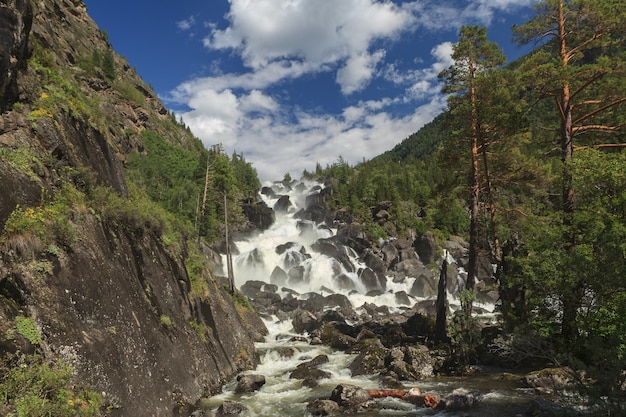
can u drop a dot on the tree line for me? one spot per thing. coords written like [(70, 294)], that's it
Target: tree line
[(528, 163)]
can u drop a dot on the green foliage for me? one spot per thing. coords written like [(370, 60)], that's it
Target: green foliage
[(165, 320), (27, 328), (465, 337), (200, 329), (33, 387), (197, 266), (61, 91), (49, 222), (108, 64), (241, 300)]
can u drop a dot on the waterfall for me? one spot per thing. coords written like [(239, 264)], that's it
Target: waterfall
[(300, 258)]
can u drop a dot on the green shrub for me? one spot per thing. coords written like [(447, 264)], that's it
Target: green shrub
[(165, 320), (33, 387), (27, 328)]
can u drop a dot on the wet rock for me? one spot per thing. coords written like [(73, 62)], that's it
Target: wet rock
[(282, 204), (370, 360), (372, 280), (334, 335), (303, 321), (426, 247), (459, 399), (374, 262), (297, 275), (249, 383), (346, 395), (322, 407), (402, 298), (309, 374), (278, 276), (424, 286), (390, 254), (294, 258), (230, 408), (549, 380), (259, 215), (280, 249), (344, 282), (337, 300), (309, 371)]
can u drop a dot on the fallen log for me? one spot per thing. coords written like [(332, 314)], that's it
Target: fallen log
[(413, 396)]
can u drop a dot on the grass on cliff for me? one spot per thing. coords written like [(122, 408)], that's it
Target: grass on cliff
[(31, 386)]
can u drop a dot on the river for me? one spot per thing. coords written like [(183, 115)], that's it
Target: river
[(501, 394)]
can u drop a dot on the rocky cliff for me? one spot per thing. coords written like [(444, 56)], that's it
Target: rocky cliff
[(107, 292)]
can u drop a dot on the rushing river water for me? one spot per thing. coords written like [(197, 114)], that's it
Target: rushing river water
[(282, 396)]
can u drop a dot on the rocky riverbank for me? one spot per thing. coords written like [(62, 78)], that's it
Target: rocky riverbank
[(372, 301)]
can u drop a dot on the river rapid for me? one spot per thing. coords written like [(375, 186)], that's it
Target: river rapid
[(257, 257)]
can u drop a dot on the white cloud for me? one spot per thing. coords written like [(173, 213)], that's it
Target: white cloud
[(320, 33), (186, 24), (282, 40), (358, 71)]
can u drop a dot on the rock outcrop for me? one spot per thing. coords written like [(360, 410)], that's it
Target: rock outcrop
[(107, 294)]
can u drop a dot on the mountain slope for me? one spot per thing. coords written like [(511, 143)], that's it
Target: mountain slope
[(106, 275)]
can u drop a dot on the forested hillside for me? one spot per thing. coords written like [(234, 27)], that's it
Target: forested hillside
[(528, 164)]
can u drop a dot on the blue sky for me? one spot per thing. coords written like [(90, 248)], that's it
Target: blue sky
[(290, 83)]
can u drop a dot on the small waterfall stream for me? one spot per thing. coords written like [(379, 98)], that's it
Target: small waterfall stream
[(286, 255)]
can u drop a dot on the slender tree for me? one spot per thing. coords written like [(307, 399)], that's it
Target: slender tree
[(474, 56)]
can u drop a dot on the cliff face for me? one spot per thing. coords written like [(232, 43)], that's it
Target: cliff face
[(108, 295)]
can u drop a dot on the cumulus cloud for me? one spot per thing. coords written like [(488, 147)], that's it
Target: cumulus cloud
[(320, 33), (283, 41), (186, 24)]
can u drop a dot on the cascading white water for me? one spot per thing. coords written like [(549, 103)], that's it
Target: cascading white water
[(256, 261)]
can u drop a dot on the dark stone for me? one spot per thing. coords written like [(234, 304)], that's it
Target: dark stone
[(249, 383), (322, 407), (259, 214), (426, 247), (370, 360), (282, 204), (347, 395), (230, 408), (278, 276), (309, 374), (402, 298), (459, 399), (373, 281), (16, 18)]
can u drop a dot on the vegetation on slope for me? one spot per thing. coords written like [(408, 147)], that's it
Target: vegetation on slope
[(549, 160)]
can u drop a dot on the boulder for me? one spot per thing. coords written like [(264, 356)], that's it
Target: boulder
[(370, 360), (279, 276), (259, 214), (424, 286), (459, 399), (321, 407), (346, 395), (230, 408), (426, 247), (549, 380), (283, 204), (249, 383)]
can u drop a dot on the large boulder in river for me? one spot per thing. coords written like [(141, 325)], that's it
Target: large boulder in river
[(249, 383), (259, 214), (347, 395), (282, 204), (372, 281), (371, 358), (322, 407), (426, 247)]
